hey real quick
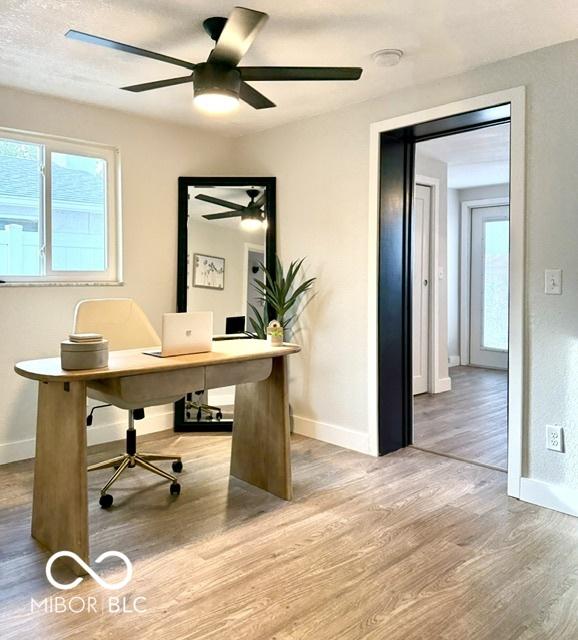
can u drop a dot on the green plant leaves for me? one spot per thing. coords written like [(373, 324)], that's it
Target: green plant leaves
[(259, 322), (280, 293)]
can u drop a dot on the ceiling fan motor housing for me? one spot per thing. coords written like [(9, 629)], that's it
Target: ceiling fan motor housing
[(214, 27), (214, 78)]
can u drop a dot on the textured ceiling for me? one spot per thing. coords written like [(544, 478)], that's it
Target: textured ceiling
[(440, 38), (474, 158), (482, 145)]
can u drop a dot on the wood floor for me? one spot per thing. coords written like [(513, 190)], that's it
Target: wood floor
[(470, 421), (408, 546)]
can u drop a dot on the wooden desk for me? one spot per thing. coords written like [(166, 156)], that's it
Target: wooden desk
[(260, 448)]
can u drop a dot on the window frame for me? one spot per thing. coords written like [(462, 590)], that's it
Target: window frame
[(113, 237)]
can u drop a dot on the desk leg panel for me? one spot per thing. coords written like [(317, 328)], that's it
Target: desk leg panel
[(261, 452), (60, 502)]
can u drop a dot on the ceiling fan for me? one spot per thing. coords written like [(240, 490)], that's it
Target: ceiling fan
[(219, 82), (252, 214)]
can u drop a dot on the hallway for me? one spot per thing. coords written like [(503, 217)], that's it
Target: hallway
[(470, 421)]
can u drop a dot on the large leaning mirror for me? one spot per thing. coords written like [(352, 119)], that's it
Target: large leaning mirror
[(226, 231)]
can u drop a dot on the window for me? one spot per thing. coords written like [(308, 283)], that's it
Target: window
[(495, 303), (58, 213)]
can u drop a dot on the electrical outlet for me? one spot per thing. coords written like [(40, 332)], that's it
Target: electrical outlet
[(555, 438)]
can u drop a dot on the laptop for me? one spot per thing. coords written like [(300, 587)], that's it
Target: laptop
[(235, 324), (185, 333), (234, 329)]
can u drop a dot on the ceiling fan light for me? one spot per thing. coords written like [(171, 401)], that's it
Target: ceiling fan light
[(216, 88), (251, 223), (216, 102)]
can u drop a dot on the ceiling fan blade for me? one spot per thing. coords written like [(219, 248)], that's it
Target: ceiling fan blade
[(237, 36), (147, 86), (221, 203), (260, 201), (254, 98), (225, 214), (127, 48), (271, 74)]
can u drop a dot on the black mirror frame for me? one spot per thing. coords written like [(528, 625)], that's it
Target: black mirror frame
[(270, 183)]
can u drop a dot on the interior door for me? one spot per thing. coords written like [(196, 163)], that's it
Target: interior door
[(489, 287), (420, 287)]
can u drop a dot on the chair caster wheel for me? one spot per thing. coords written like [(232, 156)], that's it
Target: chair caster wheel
[(105, 501), (175, 489), (177, 466)]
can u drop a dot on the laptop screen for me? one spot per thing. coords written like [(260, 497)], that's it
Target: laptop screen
[(235, 324)]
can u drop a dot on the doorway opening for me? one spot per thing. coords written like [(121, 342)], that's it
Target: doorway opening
[(390, 364), (464, 415), (253, 259)]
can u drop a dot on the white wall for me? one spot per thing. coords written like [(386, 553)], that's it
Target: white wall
[(482, 193), (322, 165), (228, 243), (324, 162), (34, 320)]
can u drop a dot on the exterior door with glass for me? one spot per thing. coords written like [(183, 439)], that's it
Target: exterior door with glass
[(489, 287)]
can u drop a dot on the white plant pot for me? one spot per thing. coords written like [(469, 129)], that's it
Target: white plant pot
[(275, 341)]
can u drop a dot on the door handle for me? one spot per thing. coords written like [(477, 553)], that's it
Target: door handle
[(425, 283)]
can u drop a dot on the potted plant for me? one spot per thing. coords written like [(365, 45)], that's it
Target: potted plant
[(281, 293), (275, 333)]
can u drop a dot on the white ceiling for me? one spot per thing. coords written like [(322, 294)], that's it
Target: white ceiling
[(474, 158), (440, 38)]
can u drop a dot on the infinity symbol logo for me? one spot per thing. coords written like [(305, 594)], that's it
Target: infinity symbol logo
[(95, 576)]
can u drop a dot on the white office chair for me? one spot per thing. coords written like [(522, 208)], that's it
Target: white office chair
[(123, 323)]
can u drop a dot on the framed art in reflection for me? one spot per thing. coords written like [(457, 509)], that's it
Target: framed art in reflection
[(208, 271)]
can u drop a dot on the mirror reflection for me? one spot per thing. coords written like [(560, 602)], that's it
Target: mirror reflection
[(226, 240)]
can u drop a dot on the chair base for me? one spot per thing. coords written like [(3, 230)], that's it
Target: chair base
[(143, 460), (201, 407), (132, 459)]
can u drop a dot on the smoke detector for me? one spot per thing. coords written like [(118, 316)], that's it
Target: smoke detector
[(387, 57)]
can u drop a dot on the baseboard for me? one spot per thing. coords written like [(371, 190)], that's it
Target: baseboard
[(551, 496), (331, 433), (454, 361), (222, 399), (97, 434), (443, 384)]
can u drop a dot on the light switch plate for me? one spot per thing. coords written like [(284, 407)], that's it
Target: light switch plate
[(553, 282)]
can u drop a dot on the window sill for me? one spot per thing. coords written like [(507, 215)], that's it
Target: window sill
[(62, 284)]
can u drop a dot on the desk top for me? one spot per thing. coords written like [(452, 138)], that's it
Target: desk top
[(134, 362)]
